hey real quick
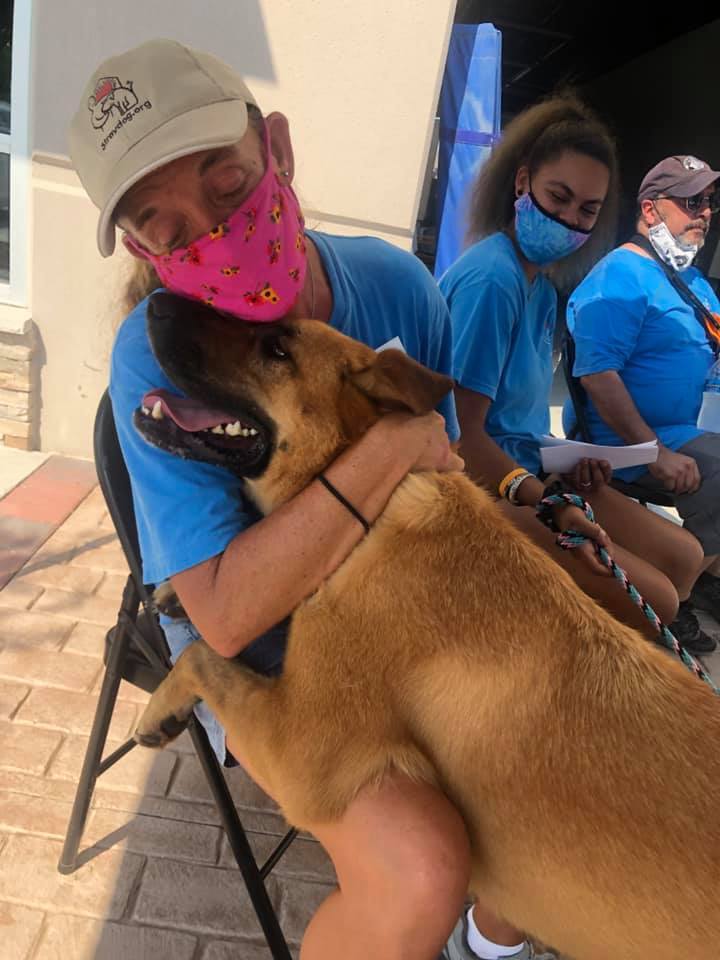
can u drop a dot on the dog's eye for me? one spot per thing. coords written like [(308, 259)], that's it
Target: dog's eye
[(273, 349)]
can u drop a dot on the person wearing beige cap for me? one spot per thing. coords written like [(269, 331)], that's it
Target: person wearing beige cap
[(646, 337), (173, 149)]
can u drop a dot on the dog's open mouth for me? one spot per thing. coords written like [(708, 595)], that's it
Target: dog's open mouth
[(187, 429)]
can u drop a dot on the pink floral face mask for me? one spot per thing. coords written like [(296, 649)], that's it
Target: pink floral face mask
[(251, 265)]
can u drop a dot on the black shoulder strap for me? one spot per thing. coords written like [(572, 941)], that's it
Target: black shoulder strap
[(707, 319)]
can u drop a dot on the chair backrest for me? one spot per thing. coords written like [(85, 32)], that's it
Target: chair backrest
[(115, 485), (578, 397)]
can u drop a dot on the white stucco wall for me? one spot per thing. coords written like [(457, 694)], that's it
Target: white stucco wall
[(359, 83)]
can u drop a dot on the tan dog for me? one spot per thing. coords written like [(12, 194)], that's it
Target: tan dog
[(583, 759)]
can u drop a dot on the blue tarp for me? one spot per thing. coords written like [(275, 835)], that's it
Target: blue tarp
[(469, 126)]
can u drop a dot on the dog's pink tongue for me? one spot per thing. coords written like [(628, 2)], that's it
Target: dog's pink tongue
[(185, 412)]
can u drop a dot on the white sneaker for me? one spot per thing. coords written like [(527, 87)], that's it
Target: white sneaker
[(457, 947)]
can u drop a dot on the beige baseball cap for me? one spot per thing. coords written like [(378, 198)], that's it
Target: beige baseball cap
[(146, 107)]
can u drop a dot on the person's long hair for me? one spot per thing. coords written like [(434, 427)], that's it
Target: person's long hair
[(537, 136)]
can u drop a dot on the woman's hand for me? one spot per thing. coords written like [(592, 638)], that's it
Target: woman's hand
[(569, 517), (588, 476), (425, 440)]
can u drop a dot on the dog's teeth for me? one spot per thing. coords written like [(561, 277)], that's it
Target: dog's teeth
[(252, 432), (157, 413), (233, 429), (145, 410), (245, 432), (218, 429)]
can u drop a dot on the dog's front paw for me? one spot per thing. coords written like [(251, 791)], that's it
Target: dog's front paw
[(158, 732)]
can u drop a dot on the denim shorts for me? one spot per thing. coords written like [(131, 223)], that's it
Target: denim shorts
[(264, 655)]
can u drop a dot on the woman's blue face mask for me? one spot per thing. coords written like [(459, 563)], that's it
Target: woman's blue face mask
[(543, 238)]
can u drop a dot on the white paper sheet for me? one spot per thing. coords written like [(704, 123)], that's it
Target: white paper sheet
[(394, 344), (561, 456)]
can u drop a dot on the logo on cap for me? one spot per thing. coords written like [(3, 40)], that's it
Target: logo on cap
[(692, 163), (110, 94)]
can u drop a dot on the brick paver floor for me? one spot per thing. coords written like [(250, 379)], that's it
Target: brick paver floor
[(159, 881)]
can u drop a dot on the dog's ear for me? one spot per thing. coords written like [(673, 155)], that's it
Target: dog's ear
[(396, 382)]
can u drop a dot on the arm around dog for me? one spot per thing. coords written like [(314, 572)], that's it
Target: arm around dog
[(269, 569)]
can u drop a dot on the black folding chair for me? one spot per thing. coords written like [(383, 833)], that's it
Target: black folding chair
[(136, 651), (581, 431)]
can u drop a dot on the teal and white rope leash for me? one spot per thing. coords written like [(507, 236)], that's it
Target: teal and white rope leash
[(569, 539)]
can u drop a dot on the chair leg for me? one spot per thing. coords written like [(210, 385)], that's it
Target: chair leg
[(278, 853), (98, 735), (239, 843)]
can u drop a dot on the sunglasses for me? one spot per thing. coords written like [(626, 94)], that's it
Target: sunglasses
[(697, 203)]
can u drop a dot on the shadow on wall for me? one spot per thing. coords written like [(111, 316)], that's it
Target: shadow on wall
[(235, 32)]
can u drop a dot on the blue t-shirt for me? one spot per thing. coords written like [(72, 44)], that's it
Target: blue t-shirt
[(502, 343), (187, 511), (627, 316)]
